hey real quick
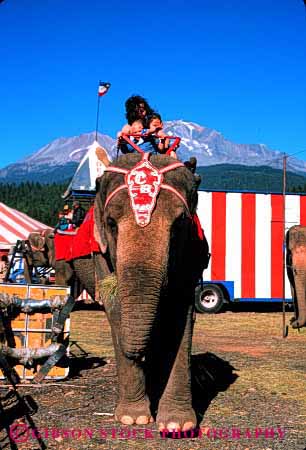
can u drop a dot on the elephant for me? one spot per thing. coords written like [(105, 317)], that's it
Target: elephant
[(156, 266), (296, 271), (75, 273), (43, 255)]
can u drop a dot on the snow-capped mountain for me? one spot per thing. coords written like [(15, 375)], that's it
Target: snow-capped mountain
[(210, 147), (58, 160)]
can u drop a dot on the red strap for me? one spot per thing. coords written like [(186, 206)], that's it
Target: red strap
[(173, 147), (178, 194), (198, 226), (111, 195), (116, 170), (171, 167), (175, 144), (142, 165)]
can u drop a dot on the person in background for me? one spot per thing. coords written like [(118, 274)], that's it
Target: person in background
[(78, 214), (68, 215), (63, 222), (67, 212)]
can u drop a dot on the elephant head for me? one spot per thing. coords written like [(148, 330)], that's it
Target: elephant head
[(152, 260), (42, 244), (296, 271), (43, 255)]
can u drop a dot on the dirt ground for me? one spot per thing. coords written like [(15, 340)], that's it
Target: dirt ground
[(248, 390)]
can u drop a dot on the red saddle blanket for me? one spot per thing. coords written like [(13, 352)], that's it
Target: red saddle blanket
[(197, 226), (75, 245)]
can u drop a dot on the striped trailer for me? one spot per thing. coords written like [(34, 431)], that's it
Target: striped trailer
[(245, 233)]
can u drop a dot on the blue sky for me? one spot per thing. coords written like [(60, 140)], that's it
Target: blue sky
[(236, 66)]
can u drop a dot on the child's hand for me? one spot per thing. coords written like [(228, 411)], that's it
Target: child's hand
[(154, 130), (126, 129)]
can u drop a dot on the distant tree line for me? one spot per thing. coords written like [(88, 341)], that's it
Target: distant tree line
[(249, 178), (297, 189), (40, 201), (44, 201)]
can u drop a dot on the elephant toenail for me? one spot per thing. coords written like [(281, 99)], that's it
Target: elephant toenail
[(173, 426), (161, 427), (142, 420), (127, 420), (188, 426)]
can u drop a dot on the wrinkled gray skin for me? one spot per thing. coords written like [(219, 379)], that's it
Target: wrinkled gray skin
[(44, 256), (296, 270), (152, 316)]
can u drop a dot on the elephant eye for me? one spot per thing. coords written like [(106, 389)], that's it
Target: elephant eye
[(178, 224), (111, 224), (180, 220)]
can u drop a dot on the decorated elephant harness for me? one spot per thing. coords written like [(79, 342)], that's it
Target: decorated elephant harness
[(144, 182)]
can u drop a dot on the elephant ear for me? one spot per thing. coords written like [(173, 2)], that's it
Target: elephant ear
[(193, 199), (48, 245), (102, 156), (36, 240), (99, 226)]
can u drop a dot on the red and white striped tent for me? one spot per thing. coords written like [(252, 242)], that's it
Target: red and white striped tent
[(245, 233), (16, 225)]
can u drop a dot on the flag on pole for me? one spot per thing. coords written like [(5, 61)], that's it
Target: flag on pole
[(103, 88)]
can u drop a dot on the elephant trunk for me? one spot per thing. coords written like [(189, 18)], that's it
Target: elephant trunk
[(140, 282), (139, 296), (300, 277), (299, 269)]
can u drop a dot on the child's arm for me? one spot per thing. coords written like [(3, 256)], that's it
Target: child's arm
[(126, 129), (121, 144), (163, 143)]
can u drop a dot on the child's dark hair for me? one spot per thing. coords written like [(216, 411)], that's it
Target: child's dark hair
[(153, 116), (131, 108)]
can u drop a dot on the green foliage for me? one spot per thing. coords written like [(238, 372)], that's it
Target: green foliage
[(40, 201), (249, 178), (298, 189)]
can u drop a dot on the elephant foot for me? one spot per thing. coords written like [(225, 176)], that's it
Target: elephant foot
[(298, 323), (175, 420), (130, 413)]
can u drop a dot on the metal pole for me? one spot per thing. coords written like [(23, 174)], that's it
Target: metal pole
[(285, 328), (97, 121)]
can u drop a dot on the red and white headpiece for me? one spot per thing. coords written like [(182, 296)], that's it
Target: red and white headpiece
[(143, 183)]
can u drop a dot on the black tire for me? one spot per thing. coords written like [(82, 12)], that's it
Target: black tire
[(209, 299)]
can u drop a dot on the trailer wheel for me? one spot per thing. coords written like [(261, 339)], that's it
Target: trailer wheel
[(208, 299)]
